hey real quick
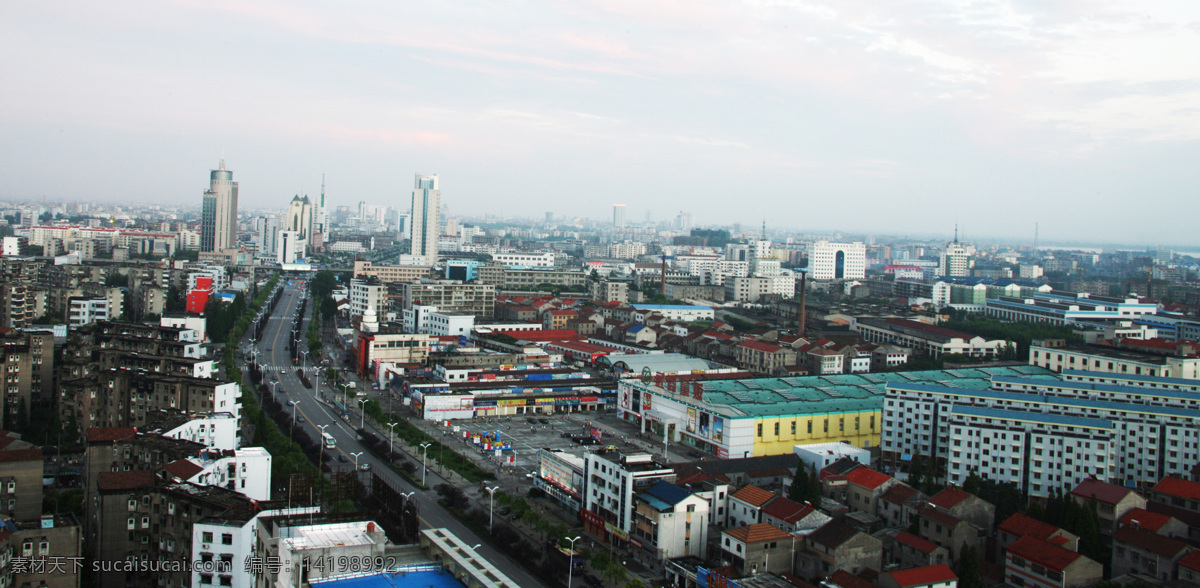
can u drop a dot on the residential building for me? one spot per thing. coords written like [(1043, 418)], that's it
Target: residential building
[(85, 311), (16, 305), (218, 226), (909, 550), (764, 358), (1112, 360), (792, 516), (928, 339), (934, 576), (1033, 562), (955, 260), (426, 219), (609, 291), (758, 548), (683, 313), (671, 521), (838, 546), (949, 531), (1112, 501), (864, 487), (390, 274), (390, 345), (21, 479), (1146, 553), (611, 482), (1019, 525), (368, 292), (1156, 522), (225, 543), (450, 296), (746, 506)]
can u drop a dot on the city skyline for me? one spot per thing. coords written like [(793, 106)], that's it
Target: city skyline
[(853, 118)]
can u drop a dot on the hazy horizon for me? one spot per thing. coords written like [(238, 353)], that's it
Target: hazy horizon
[(854, 117)]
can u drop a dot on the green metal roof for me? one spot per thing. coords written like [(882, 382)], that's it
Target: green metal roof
[(780, 397)]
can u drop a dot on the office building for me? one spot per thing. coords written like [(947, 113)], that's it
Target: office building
[(837, 261), (619, 216), (218, 228), (426, 218), (611, 480)]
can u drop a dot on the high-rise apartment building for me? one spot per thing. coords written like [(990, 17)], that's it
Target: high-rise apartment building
[(426, 218), (955, 260), (837, 261), (218, 229), (619, 216)]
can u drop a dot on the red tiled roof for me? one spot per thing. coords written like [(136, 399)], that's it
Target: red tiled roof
[(1142, 518), (542, 335), (1025, 526), (940, 516), (34, 454), (787, 510), (1040, 552), (183, 469), (696, 477), (1103, 492), (757, 533), (100, 434), (1191, 561), (916, 542), (931, 329), (949, 497), (898, 494), (753, 495), (125, 480), (1149, 541), (844, 579), (760, 346), (924, 576), (867, 478), (1179, 487)]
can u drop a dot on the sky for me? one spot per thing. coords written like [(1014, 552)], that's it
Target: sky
[(891, 117)]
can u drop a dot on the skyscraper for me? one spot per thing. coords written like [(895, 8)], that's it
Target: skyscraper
[(619, 216), (299, 221), (218, 228), (426, 218)]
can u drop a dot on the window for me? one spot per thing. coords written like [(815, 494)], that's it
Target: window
[(793, 428), (760, 429), (810, 426), (777, 428), (206, 537), (227, 539)]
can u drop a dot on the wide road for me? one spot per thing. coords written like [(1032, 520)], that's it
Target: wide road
[(273, 352)]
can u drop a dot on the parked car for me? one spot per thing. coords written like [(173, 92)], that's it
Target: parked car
[(301, 419), (365, 467), (342, 458)]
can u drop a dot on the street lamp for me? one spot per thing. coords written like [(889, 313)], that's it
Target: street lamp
[(391, 431), (571, 561), (355, 456), (424, 467), (321, 459), (304, 363), (362, 414), (293, 427), (273, 385), (491, 504)]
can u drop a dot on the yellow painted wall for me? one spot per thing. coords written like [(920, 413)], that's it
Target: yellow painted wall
[(855, 427)]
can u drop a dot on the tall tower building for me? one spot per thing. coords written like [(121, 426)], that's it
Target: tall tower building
[(619, 216), (321, 214), (426, 218), (218, 228), (299, 221)]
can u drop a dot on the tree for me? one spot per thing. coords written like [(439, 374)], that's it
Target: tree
[(615, 571), (806, 486), (635, 583), (968, 568)]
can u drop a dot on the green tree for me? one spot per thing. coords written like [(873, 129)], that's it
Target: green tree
[(968, 568), (806, 486), (615, 571), (635, 583)]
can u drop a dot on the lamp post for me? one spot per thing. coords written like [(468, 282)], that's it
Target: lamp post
[(293, 427), (491, 504), (304, 360), (391, 431), (321, 459), (362, 414), (273, 385), (424, 467), (355, 456), (571, 561)]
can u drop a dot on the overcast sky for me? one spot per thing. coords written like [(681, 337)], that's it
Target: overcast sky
[(843, 115)]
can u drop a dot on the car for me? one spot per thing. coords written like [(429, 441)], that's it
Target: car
[(365, 467), (342, 458), (592, 581), (301, 419)]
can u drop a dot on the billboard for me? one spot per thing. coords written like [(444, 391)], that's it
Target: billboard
[(718, 434), (691, 420)]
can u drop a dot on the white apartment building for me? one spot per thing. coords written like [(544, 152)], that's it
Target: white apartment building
[(671, 521), (218, 431), (353, 541), (247, 471), (837, 261), (626, 250), (1114, 361), (715, 272), (291, 247), (222, 546), (526, 259), (679, 312), (1042, 432), (611, 480), (1061, 308), (368, 292), (955, 260), (416, 318), (85, 311), (441, 324), (220, 279)]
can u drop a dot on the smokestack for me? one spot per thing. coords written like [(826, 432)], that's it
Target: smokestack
[(664, 276), (803, 302)]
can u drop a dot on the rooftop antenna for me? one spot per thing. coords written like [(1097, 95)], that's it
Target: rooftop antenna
[(956, 233), (1035, 236)]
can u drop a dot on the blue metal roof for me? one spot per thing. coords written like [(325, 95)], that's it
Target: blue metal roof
[(1035, 398), (403, 579), (664, 495), (1132, 378), (670, 307), (1036, 417)]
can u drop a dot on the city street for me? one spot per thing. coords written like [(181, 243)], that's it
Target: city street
[(272, 351)]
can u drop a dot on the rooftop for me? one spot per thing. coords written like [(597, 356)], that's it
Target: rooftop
[(753, 495), (949, 497), (757, 533), (922, 545), (331, 535), (1144, 519), (1179, 487), (1043, 553), (116, 481), (1103, 492), (1149, 541), (1026, 526), (924, 575), (867, 478), (832, 534)]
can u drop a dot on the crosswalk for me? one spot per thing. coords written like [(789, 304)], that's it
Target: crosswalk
[(285, 368)]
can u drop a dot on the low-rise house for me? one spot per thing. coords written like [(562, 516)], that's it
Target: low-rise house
[(792, 516), (966, 506), (949, 531), (745, 506), (1019, 525), (1033, 562), (1112, 501), (936, 576), (1138, 551), (837, 546), (758, 548), (899, 505), (1189, 567), (909, 550), (864, 487), (1162, 524), (671, 522)]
